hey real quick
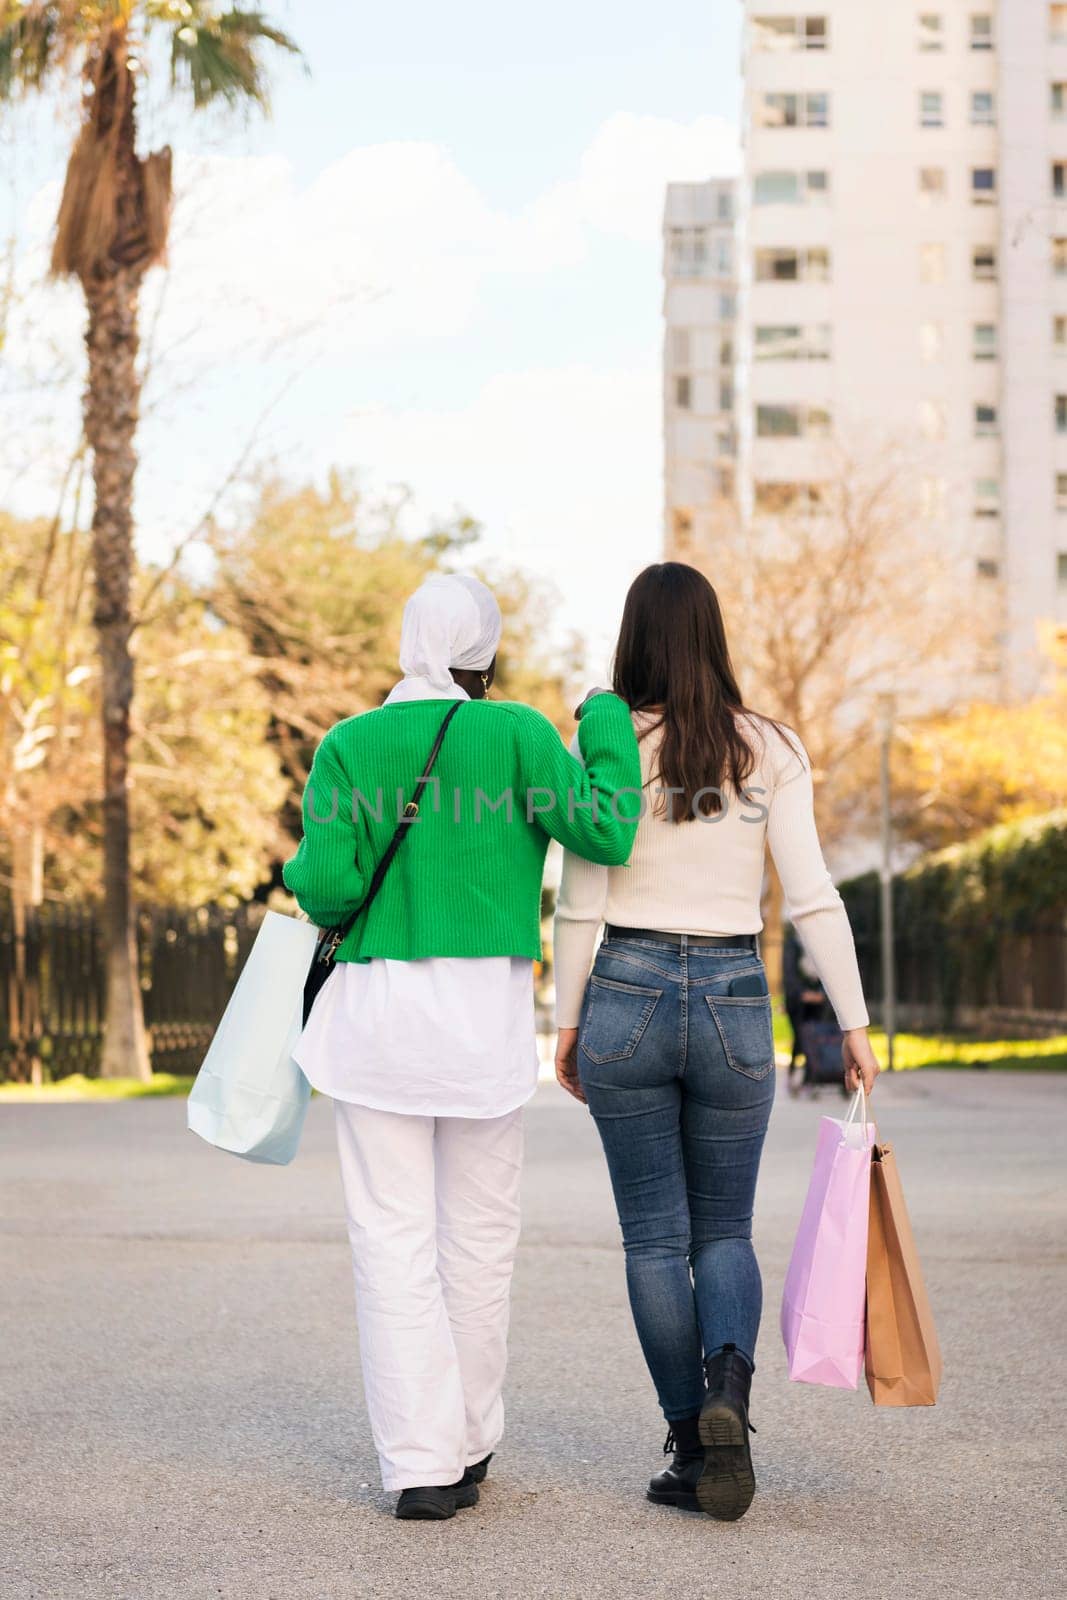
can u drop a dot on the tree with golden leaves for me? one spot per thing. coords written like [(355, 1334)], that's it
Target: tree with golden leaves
[(987, 763), (112, 227)]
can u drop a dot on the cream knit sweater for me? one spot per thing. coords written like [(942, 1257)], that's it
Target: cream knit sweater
[(706, 876)]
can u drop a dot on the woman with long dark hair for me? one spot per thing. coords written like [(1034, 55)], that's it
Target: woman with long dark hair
[(669, 1039)]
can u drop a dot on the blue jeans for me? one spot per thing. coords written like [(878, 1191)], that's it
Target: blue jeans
[(676, 1058)]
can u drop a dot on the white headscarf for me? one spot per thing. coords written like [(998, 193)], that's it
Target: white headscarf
[(451, 620)]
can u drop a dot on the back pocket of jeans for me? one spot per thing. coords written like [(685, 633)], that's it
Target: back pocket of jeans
[(746, 1031), (616, 1016)]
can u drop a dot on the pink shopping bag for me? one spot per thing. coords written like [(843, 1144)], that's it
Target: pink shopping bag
[(823, 1301)]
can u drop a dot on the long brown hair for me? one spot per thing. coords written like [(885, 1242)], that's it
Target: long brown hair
[(672, 658)]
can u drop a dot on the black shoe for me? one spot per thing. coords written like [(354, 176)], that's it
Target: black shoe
[(676, 1485), (436, 1502), (479, 1469), (727, 1484)]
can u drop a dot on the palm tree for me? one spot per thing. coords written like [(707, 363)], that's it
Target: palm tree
[(112, 226)]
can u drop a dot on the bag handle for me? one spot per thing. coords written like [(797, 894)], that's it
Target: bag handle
[(858, 1103), (333, 938)]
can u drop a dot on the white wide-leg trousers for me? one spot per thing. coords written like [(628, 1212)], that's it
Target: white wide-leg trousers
[(432, 1205)]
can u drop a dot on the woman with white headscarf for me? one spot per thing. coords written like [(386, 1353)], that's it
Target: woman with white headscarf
[(424, 1033)]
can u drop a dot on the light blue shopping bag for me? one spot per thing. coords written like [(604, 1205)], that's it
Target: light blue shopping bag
[(250, 1097)]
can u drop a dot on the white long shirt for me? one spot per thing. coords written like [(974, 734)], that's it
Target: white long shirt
[(451, 1036), (706, 876)]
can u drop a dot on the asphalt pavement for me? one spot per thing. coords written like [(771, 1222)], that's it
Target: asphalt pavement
[(180, 1400)]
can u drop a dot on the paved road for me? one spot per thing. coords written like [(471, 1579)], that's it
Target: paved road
[(180, 1401)]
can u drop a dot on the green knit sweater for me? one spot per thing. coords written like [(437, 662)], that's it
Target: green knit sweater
[(467, 882)]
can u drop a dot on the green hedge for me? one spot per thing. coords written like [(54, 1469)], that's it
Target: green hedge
[(953, 908)]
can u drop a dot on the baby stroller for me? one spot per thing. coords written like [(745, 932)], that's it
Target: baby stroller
[(821, 1042), (817, 1040)]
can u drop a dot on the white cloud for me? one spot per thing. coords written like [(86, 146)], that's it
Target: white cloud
[(390, 242), (562, 463), (394, 249), (623, 173)]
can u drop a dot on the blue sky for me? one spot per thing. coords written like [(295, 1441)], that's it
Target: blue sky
[(444, 249)]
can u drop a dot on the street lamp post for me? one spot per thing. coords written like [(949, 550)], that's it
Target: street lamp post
[(886, 717)]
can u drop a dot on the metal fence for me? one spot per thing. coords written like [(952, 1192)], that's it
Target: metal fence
[(52, 984), (996, 975)]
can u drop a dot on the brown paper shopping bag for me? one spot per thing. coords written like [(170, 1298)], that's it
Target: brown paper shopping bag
[(902, 1358)]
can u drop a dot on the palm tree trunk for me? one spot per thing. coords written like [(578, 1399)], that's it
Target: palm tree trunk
[(111, 407)]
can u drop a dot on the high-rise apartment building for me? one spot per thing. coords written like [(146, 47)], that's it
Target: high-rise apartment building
[(698, 359), (902, 277)]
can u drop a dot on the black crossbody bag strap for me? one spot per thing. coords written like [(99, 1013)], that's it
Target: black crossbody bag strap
[(331, 940)]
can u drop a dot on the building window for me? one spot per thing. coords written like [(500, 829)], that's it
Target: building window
[(790, 188), (681, 526), (1059, 180), (933, 498), (1061, 413), (790, 33), (931, 340), (931, 263), (724, 205), (774, 496), (791, 422), (791, 342), (724, 256), (1061, 569), (726, 395), (984, 263), (983, 185), (727, 307), (1059, 335), (1057, 21), (1061, 491), (1059, 257), (982, 31), (985, 420), (679, 347), (932, 419), (986, 497), (931, 184), (793, 111), (1058, 106), (931, 109), (726, 351), (791, 266), (683, 392), (983, 108), (987, 567), (985, 341), (688, 252), (931, 30)]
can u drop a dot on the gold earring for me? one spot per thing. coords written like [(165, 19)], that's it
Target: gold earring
[(485, 685)]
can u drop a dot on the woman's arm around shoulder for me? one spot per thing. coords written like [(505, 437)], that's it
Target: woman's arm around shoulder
[(592, 809)]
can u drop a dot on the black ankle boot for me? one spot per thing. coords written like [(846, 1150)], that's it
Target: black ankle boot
[(727, 1484), (676, 1485), (436, 1503)]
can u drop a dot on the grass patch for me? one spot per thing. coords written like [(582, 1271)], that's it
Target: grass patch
[(78, 1087), (913, 1050), (954, 1050)]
